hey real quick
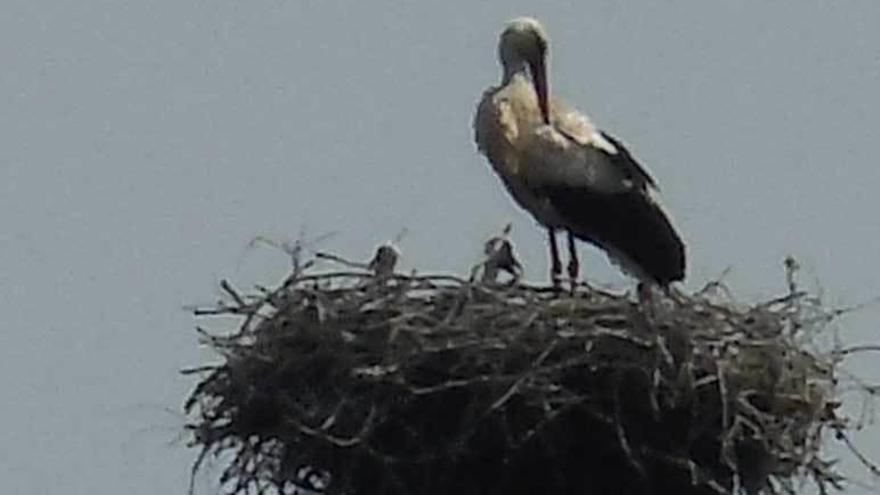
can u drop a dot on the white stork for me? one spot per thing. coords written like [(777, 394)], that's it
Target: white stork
[(569, 174)]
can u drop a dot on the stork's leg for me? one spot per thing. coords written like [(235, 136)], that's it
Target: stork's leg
[(646, 298), (573, 265), (644, 293), (675, 295), (555, 264)]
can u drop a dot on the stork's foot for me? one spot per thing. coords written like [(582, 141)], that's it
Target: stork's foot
[(675, 295), (573, 269), (644, 293), (555, 264), (556, 274), (651, 305), (573, 264), (646, 298)]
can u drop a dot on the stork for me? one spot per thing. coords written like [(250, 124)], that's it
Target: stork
[(567, 173)]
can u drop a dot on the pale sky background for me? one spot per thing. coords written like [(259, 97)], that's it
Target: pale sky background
[(144, 144)]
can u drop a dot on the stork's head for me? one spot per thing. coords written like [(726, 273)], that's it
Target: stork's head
[(524, 43)]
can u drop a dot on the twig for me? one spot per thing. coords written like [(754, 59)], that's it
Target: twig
[(841, 434), (519, 381), (859, 348), (227, 287)]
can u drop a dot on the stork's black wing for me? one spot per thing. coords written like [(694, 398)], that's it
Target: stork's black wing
[(628, 223), (628, 164)]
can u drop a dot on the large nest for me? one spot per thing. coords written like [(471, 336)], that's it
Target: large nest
[(353, 383)]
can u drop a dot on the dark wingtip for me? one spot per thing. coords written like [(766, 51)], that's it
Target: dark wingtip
[(675, 268)]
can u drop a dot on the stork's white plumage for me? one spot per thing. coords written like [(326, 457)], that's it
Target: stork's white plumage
[(566, 172)]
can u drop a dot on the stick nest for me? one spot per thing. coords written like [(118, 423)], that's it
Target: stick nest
[(349, 383)]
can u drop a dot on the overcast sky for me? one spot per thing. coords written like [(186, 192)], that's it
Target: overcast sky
[(143, 145)]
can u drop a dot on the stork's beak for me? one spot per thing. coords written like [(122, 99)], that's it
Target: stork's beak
[(539, 76)]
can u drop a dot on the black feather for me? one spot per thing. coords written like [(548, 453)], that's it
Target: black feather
[(625, 161), (628, 222)]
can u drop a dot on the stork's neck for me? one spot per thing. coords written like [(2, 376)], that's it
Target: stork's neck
[(515, 68)]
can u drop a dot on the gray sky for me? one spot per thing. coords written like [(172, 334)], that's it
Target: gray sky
[(144, 144)]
